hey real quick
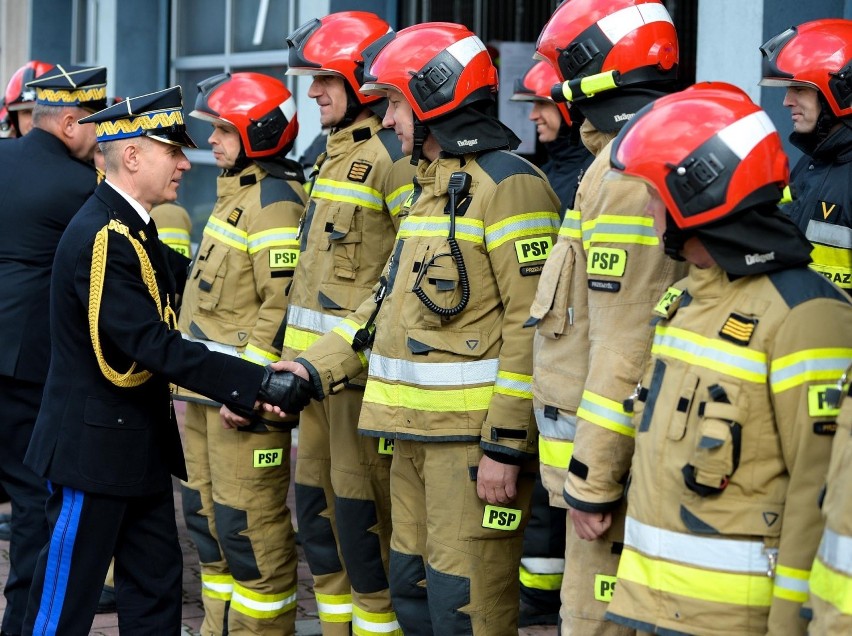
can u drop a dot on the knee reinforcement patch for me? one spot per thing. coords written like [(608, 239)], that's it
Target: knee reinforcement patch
[(315, 531), (361, 548), (198, 527)]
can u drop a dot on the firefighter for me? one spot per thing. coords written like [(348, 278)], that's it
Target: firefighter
[(558, 132), (732, 432), (814, 62), (20, 99), (597, 291), (358, 186), (450, 362), (234, 302), (831, 574)]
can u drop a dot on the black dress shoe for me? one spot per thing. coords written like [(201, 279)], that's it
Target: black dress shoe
[(106, 604), (5, 533)]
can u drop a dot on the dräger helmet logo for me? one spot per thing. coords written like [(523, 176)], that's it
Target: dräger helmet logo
[(467, 142), (754, 259), (624, 117)]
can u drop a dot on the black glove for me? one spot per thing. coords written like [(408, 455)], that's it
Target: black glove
[(285, 390)]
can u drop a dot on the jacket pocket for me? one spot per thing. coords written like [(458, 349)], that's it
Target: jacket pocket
[(717, 444), (551, 306), (115, 442), (345, 240), (210, 276)]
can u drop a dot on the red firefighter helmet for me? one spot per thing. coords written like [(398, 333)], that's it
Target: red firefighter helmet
[(816, 54), (259, 106), (334, 45), (438, 66), (708, 150), (7, 129), (535, 86), (609, 43), (18, 96)]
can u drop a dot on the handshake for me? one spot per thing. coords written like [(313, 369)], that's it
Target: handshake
[(283, 390)]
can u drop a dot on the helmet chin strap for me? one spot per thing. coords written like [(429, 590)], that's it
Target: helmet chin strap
[(673, 239), (826, 119), (353, 107), (421, 131)]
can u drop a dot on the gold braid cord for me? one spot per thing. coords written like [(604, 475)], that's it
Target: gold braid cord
[(96, 288)]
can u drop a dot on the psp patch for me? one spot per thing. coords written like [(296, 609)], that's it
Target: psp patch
[(281, 257), (738, 329), (604, 587), (606, 261), (358, 171), (268, 457), (533, 249), (385, 446), (497, 518), (821, 402), (667, 305)]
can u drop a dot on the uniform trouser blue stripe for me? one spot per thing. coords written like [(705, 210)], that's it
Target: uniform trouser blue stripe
[(59, 562)]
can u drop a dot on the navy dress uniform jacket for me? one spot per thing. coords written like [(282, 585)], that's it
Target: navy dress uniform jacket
[(41, 188), (91, 434)]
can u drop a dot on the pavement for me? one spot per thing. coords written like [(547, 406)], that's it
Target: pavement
[(307, 623)]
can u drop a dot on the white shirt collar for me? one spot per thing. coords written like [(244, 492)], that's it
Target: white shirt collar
[(133, 202)]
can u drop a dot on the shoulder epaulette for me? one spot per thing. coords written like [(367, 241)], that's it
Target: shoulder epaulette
[(501, 164), (800, 284), (389, 140), (273, 190)]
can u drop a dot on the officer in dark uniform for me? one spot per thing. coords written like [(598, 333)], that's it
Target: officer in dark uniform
[(46, 178), (106, 435)]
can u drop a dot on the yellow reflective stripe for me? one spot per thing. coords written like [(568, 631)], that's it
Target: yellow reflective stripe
[(514, 384), (808, 365), (226, 233), (519, 226), (840, 257), (571, 225), (711, 353), (218, 586), (832, 587), (366, 623), (472, 230), (347, 329), (549, 582), (259, 356), (555, 452), (334, 608), (683, 580), (332, 190), (605, 413), (396, 198), (610, 228), (276, 237), (173, 235), (791, 584), (298, 339), (429, 400), (786, 196), (256, 605)]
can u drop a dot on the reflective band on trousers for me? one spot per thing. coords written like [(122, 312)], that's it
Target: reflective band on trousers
[(219, 586), (334, 608), (710, 353), (251, 603), (366, 623), (809, 365), (715, 570)]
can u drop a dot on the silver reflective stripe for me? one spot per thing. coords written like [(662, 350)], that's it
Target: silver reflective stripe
[(563, 427), (214, 346), (712, 554), (829, 234), (790, 583), (310, 319), (361, 625), (263, 606), (836, 364), (537, 565), (836, 551), (434, 373), (334, 608)]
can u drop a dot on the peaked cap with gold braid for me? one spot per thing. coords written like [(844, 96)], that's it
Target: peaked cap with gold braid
[(66, 85), (156, 115)]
